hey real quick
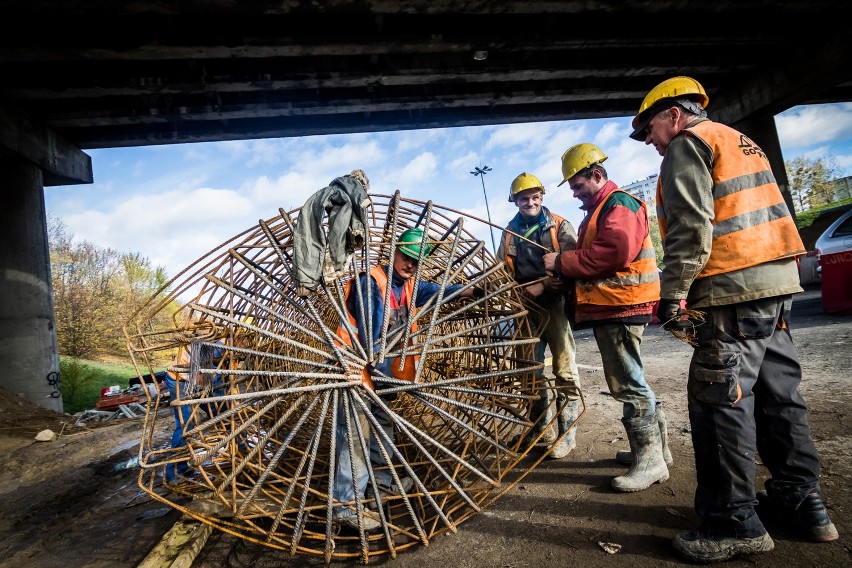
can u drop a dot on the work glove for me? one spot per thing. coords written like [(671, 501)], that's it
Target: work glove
[(478, 292), (670, 314), (553, 283)]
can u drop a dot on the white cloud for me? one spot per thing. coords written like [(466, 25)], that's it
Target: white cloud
[(844, 162), (463, 165), (517, 135), (170, 228), (420, 169), (260, 152), (611, 133), (802, 127), (413, 140)]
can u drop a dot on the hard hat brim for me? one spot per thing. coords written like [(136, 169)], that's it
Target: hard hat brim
[(410, 253), (640, 123), (642, 120)]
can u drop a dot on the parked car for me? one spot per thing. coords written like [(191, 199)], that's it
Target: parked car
[(836, 238)]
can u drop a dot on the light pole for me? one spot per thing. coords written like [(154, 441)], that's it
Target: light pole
[(477, 171)]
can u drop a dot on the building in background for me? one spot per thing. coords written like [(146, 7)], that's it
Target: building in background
[(842, 188), (646, 190)]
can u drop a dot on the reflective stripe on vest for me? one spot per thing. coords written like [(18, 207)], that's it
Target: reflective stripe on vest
[(751, 224), (554, 236), (638, 284), (408, 371)]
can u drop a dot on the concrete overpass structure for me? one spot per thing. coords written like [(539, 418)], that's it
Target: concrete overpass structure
[(84, 74)]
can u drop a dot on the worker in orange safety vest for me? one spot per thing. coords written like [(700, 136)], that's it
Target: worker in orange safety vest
[(730, 249), (411, 248), (179, 387), (617, 284)]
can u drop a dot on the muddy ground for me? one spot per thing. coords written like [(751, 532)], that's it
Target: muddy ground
[(74, 502)]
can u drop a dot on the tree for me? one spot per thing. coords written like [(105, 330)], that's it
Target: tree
[(656, 239), (96, 290), (135, 283), (84, 297), (811, 181), (76, 376)]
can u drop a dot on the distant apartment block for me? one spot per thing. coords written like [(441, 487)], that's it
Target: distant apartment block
[(646, 190), (842, 188)]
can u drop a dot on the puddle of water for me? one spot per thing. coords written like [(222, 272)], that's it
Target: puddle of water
[(129, 464)]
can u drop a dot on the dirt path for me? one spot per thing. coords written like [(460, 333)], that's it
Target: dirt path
[(74, 503)]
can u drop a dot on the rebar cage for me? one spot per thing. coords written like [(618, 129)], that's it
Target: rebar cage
[(260, 418)]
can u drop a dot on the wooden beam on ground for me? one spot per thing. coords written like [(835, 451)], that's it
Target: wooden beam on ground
[(179, 546)]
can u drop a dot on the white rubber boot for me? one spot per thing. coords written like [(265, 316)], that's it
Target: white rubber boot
[(626, 456), (540, 415), (566, 422), (648, 467)]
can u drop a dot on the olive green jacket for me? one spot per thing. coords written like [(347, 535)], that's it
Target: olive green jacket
[(687, 184)]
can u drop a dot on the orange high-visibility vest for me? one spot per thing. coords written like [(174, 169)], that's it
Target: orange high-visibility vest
[(751, 223), (181, 360), (408, 371), (554, 236), (639, 283)]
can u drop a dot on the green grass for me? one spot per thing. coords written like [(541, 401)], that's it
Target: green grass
[(82, 381), (806, 218)]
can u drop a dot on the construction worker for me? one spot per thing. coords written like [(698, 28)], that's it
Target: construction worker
[(616, 280), (533, 231), (411, 247), (180, 388), (730, 249)]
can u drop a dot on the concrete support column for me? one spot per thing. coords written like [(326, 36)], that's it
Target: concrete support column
[(762, 130), (29, 360)]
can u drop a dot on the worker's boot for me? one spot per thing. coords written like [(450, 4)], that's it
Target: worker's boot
[(648, 466), (810, 517), (175, 474), (540, 417), (566, 420), (626, 456)]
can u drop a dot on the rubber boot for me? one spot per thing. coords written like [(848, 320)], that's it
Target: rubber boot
[(626, 456), (565, 422), (539, 416), (648, 467)]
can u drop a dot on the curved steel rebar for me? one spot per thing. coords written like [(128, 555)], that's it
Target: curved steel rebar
[(261, 434)]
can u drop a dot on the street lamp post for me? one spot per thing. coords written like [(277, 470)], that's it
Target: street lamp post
[(477, 171)]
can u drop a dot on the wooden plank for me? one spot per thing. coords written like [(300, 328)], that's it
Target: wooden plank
[(179, 546)]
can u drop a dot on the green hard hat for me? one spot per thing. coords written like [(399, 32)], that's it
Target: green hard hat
[(410, 242)]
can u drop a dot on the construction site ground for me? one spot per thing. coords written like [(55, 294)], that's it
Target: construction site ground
[(74, 502)]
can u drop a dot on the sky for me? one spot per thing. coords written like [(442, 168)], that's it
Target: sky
[(173, 204)]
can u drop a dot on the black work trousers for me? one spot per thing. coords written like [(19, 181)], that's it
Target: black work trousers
[(744, 398)]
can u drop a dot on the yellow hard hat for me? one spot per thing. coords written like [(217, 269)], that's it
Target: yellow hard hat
[(681, 87), (579, 157), (524, 182), (239, 328)]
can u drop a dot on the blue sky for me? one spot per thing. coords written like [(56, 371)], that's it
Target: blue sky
[(173, 204)]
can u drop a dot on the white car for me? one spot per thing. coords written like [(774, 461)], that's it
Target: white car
[(836, 238)]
